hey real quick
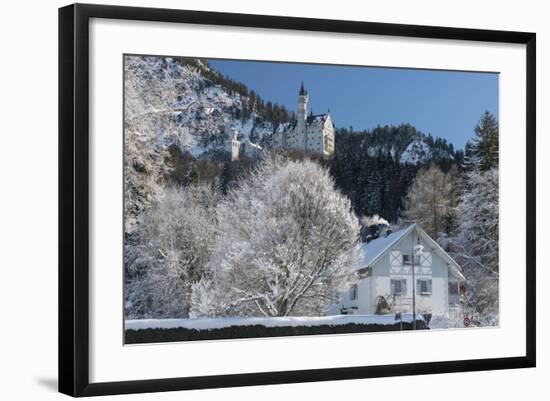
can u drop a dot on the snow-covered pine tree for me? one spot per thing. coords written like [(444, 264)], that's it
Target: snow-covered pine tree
[(485, 143), (286, 240), (476, 244)]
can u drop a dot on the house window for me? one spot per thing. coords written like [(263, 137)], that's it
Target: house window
[(453, 288), (407, 260), (424, 286), (353, 292), (398, 287)]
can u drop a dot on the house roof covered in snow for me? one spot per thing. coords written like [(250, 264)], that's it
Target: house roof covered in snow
[(375, 249)]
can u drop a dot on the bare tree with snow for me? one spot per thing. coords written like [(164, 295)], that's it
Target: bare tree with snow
[(429, 201), (172, 252), (286, 241), (150, 126)]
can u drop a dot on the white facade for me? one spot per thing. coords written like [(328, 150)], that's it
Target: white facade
[(310, 134), (235, 145), (246, 148), (387, 273)]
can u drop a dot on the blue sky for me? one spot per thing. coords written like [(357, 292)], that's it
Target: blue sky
[(443, 103)]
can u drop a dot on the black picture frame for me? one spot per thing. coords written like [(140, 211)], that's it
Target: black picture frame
[(74, 198)]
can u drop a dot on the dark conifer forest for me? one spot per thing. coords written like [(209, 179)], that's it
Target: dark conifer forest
[(368, 168)]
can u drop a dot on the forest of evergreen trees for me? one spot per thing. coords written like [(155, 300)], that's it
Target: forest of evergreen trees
[(367, 167)]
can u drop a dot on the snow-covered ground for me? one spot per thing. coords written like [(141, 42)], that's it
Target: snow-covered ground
[(217, 323)]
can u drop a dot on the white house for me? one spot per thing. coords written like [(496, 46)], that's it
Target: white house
[(386, 277)]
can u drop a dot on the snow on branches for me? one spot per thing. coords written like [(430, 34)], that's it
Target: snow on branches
[(286, 240), (476, 246), (171, 253), (150, 126), (430, 201)]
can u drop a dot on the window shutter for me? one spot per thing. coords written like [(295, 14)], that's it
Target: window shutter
[(404, 286), (429, 285), (392, 287)]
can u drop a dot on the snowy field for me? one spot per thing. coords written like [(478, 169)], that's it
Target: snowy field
[(219, 323)]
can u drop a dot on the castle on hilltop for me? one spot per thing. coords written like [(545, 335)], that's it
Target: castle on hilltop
[(309, 133)]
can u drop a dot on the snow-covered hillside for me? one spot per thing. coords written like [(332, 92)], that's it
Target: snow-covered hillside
[(203, 109), (416, 152), (403, 143)]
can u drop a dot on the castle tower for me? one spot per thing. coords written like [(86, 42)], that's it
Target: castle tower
[(301, 116), (235, 145)]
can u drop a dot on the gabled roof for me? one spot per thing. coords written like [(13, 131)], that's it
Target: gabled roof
[(317, 118), (376, 249), (373, 250)]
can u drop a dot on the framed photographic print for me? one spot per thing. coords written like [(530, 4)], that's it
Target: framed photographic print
[(250, 199)]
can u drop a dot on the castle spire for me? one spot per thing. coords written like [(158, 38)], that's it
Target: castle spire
[(302, 90)]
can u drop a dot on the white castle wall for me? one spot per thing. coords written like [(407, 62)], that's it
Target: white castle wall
[(315, 137)]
